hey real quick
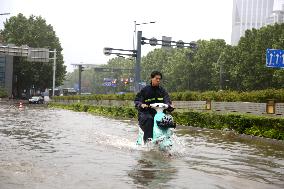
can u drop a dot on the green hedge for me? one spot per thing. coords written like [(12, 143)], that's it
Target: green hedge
[(269, 127), (222, 96), (3, 93)]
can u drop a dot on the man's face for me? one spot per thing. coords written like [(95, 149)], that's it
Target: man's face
[(156, 80)]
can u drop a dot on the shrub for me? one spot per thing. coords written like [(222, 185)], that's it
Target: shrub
[(3, 93)]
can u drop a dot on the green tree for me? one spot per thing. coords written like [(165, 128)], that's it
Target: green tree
[(179, 70), (206, 68), (251, 68), (34, 32), (158, 59), (185, 69)]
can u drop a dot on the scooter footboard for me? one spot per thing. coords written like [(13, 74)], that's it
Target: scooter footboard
[(161, 136)]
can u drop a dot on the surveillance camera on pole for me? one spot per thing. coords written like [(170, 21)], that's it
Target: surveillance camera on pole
[(180, 44), (1, 14), (193, 45), (153, 41)]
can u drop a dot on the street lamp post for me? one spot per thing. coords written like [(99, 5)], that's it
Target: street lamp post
[(220, 70), (135, 26)]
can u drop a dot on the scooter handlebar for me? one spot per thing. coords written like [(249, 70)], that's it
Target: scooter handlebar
[(159, 105)]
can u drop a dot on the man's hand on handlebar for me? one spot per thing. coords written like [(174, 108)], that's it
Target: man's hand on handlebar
[(171, 108), (144, 106)]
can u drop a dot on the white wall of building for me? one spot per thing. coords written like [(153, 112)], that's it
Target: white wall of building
[(248, 14)]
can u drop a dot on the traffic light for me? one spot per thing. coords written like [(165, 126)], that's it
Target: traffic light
[(114, 81), (126, 81), (81, 68)]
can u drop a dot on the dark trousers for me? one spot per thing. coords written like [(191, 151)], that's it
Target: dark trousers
[(146, 123)]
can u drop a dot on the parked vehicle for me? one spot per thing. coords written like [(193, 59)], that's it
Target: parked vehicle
[(36, 100)]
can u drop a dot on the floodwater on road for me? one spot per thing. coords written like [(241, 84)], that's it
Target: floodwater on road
[(52, 148)]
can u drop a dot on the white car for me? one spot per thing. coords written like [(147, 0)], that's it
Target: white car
[(36, 100)]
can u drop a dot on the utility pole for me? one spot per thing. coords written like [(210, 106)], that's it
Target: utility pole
[(221, 71)]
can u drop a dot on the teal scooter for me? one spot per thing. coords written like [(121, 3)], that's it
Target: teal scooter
[(162, 132)]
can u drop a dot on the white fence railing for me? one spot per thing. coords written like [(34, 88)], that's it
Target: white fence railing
[(241, 107)]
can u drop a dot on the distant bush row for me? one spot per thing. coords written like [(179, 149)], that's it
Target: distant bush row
[(222, 96), (232, 96), (3, 93), (268, 127)]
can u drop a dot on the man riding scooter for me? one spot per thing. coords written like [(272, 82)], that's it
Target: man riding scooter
[(150, 94)]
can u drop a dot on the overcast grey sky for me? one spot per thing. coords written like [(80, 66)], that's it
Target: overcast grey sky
[(85, 27)]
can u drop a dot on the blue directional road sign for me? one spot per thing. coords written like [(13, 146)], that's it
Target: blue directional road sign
[(274, 58), (109, 84)]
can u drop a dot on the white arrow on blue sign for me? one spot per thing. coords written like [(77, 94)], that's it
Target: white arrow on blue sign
[(274, 58)]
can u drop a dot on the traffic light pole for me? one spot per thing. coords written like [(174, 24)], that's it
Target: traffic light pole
[(80, 74), (138, 62), (137, 53)]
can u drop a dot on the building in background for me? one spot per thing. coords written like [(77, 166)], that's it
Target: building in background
[(248, 14), (6, 73)]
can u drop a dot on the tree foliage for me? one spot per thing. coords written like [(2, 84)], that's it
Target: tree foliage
[(34, 32), (251, 54)]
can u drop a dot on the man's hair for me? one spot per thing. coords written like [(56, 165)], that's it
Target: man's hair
[(154, 73)]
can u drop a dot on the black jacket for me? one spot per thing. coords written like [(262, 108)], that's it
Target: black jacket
[(149, 95)]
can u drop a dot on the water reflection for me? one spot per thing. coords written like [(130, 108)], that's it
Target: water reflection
[(153, 169), (220, 153)]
